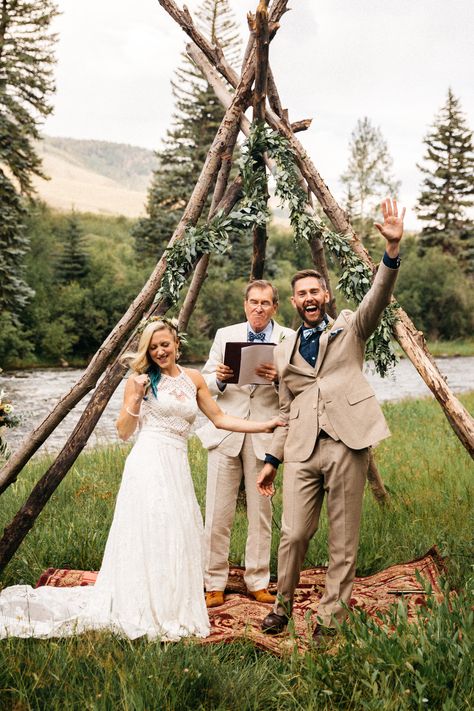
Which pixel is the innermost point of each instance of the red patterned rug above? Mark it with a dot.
(240, 617)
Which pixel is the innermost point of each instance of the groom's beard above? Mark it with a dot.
(312, 319)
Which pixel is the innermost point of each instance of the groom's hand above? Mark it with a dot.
(265, 480)
(392, 227)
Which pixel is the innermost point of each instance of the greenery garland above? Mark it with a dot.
(356, 276)
(213, 236)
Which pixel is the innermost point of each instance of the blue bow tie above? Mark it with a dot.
(310, 332)
(256, 336)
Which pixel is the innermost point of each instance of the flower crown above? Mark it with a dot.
(171, 323)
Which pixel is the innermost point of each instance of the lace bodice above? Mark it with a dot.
(174, 410)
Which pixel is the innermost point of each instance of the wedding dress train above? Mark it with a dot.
(150, 582)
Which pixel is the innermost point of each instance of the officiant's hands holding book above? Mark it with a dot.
(267, 371)
(223, 372)
(264, 370)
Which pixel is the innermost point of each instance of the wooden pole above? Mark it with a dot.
(410, 339)
(200, 273)
(376, 484)
(192, 294)
(262, 41)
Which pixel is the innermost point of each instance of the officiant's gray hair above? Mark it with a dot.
(261, 284)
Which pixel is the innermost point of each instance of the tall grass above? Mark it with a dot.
(447, 349)
(425, 665)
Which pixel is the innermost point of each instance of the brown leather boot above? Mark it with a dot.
(214, 598)
(262, 595)
(274, 623)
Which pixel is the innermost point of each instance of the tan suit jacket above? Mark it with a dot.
(335, 388)
(255, 402)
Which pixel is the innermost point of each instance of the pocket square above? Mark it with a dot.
(336, 332)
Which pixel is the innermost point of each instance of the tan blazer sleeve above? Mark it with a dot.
(367, 316)
(285, 396)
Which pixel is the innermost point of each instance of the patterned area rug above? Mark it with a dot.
(240, 617)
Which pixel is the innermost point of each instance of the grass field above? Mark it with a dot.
(447, 349)
(424, 666)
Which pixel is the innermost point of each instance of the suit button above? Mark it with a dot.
(314, 407)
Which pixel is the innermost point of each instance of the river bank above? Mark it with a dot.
(35, 392)
(459, 348)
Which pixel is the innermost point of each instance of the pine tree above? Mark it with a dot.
(26, 62)
(368, 178)
(197, 116)
(448, 188)
(73, 264)
(14, 293)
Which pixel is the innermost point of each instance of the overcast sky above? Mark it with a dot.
(334, 60)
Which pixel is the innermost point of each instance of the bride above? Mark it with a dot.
(150, 581)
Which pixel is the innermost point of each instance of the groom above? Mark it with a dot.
(333, 418)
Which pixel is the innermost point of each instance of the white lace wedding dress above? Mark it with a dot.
(150, 582)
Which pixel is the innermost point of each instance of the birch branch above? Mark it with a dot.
(262, 42)
(200, 273)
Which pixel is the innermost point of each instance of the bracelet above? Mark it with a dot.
(133, 414)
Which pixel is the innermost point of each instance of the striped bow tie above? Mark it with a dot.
(309, 332)
(256, 336)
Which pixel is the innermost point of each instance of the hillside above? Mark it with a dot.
(95, 176)
(103, 177)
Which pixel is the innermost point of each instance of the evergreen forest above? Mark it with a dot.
(84, 272)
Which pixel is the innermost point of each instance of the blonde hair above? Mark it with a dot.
(139, 361)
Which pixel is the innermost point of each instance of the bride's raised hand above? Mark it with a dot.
(141, 384)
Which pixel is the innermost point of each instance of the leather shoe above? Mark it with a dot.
(214, 598)
(262, 595)
(322, 635)
(274, 623)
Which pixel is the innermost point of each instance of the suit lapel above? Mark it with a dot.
(290, 345)
(301, 367)
(323, 344)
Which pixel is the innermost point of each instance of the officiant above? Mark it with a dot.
(233, 456)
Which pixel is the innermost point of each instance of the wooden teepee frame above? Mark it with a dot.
(106, 362)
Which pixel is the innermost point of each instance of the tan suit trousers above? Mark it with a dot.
(339, 472)
(224, 475)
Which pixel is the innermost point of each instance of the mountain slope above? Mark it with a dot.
(95, 176)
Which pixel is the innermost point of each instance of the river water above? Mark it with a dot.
(35, 392)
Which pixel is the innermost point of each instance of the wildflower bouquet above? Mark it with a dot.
(7, 419)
